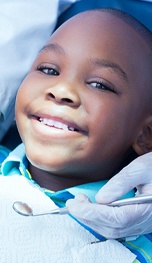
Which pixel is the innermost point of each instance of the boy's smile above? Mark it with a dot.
(78, 109)
(55, 124)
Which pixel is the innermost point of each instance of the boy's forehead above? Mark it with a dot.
(90, 21)
(95, 24)
(99, 31)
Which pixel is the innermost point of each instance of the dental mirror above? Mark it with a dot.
(25, 210)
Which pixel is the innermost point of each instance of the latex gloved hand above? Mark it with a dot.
(118, 222)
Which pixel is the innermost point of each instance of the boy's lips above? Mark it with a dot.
(60, 123)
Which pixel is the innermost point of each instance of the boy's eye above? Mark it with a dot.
(102, 86)
(48, 71)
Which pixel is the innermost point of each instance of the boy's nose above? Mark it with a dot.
(63, 95)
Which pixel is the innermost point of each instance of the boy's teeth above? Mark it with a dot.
(71, 128)
(56, 124)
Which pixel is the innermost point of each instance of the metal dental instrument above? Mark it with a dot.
(24, 209)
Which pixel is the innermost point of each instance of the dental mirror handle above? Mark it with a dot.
(60, 211)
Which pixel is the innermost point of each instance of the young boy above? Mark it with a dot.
(82, 111)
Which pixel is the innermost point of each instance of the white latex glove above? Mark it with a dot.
(118, 222)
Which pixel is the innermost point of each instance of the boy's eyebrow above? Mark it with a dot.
(113, 66)
(99, 62)
(53, 47)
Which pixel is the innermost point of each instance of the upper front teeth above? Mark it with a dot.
(56, 124)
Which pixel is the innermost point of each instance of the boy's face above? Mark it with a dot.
(80, 107)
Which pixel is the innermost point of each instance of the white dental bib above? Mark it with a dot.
(51, 238)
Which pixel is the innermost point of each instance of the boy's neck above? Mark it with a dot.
(51, 181)
(56, 182)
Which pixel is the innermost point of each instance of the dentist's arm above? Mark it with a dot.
(117, 222)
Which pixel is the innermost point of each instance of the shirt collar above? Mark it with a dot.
(17, 159)
(14, 159)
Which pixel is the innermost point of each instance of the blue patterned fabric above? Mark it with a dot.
(4, 152)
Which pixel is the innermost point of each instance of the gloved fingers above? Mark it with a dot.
(84, 210)
(145, 189)
(138, 172)
(113, 189)
(93, 216)
(113, 222)
(99, 214)
(82, 198)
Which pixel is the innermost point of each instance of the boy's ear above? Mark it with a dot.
(143, 142)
